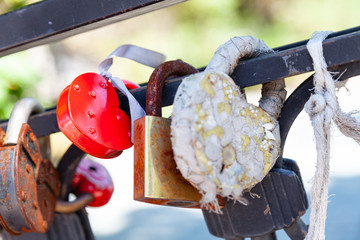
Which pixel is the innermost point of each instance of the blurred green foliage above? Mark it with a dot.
(17, 80)
(10, 5)
(17, 76)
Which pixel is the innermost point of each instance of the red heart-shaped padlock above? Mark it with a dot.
(130, 85)
(88, 114)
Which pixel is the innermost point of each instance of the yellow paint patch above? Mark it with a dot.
(256, 114)
(265, 119)
(261, 130)
(202, 115)
(249, 121)
(206, 85)
(257, 140)
(218, 131)
(217, 182)
(224, 107)
(245, 142)
(200, 155)
(268, 160)
(209, 169)
(245, 178)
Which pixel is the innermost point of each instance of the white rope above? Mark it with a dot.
(323, 108)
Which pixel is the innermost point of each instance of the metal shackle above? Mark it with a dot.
(20, 114)
(157, 82)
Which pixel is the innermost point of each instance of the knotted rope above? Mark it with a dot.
(323, 108)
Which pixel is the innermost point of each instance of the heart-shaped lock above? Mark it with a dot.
(223, 144)
(88, 114)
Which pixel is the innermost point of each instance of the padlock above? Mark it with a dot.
(92, 184)
(88, 114)
(30, 184)
(277, 202)
(156, 178)
(223, 144)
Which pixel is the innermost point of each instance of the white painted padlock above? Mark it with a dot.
(223, 144)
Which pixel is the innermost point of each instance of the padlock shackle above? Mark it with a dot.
(74, 206)
(157, 81)
(20, 114)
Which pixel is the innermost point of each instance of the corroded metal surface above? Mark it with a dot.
(2, 136)
(64, 227)
(29, 186)
(157, 81)
(156, 178)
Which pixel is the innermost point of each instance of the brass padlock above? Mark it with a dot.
(156, 178)
(29, 183)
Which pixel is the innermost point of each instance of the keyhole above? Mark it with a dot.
(92, 169)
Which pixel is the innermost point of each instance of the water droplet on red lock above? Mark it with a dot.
(91, 114)
(76, 88)
(92, 94)
(104, 85)
(119, 117)
(92, 130)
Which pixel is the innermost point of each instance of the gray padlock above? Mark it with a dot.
(277, 202)
(29, 183)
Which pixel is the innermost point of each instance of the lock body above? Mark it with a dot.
(156, 178)
(88, 114)
(29, 186)
(277, 202)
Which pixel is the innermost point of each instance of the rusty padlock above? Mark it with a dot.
(156, 178)
(29, 183)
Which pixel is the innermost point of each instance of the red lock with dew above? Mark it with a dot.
(88, 114)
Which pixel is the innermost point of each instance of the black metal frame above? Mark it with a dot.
(52, 20)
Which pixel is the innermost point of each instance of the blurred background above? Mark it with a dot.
(191, 31)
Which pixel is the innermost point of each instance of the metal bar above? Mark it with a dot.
(338, 50)
(342, 51)
(300, 43)
(52, 20)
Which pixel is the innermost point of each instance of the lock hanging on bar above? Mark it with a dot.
(156, 177)
(30, 184)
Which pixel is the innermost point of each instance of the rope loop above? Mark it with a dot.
(315, 104)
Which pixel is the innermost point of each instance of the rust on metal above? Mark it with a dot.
(30, 183)
(2, 137)
(139, 156)
(156, 177)
(267, 210)
(157, 81)
(157, 180)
